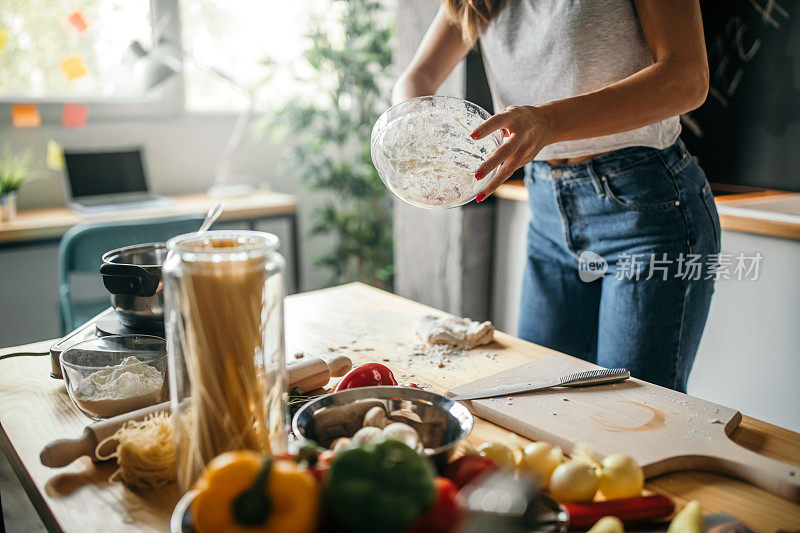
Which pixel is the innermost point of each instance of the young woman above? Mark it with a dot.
(590, 94)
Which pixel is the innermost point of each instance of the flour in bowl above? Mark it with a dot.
(119, 389)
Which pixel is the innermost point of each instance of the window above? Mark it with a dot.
(76, 49)
(93, 37)
(235, 37)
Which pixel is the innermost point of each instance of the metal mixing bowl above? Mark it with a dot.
(441, 422)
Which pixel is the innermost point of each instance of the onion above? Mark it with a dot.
(574, 481)
(620, 477)
(499, 453)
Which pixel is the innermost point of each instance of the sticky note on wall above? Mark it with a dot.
(25, 116)
(3, 39)
(77, 21)
(55, 155)
(73, 67)
(74, 115)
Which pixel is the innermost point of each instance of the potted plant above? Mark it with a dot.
(348, 63)
(15, 170)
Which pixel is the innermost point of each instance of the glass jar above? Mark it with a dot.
(223, 296)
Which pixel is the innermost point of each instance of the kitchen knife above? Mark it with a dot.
(581, 379)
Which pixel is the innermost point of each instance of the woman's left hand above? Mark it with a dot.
(528, 129)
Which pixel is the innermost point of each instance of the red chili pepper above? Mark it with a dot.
(629, 510)
(368, 375)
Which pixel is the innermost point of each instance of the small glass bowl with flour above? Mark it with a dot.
(113, 375)
(423, 153)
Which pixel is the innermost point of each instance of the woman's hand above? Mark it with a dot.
(528, 129)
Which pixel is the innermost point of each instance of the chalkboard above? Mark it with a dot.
(748, 130)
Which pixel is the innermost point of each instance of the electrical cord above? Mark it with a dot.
(23, 354)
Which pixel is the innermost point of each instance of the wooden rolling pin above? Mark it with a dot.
(308, 374)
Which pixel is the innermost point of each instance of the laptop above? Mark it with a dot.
(100, 182)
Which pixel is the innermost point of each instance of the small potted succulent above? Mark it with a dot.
(15, 170)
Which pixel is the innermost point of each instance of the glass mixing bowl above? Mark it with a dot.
(103, 380)
(423, 153)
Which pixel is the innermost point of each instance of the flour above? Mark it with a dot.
(436, 354)
(119, 389)
(462, 333)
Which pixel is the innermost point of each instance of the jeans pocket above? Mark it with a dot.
(711, 209)
(647, 186)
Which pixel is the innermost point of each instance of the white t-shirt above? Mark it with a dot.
(538, 51)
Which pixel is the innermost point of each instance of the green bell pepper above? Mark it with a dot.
(379, 487)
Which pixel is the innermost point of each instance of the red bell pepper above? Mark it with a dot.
(367, 375)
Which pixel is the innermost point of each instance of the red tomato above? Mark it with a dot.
(367, 375)
(445, 515)
(465, 469)
(323, 464)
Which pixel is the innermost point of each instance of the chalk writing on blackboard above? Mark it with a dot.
(729, 51)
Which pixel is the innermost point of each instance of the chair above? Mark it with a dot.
(83, 246)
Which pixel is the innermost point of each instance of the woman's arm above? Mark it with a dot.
(440, 51)
(676, 82)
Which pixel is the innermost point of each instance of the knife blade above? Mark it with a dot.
(580, 379)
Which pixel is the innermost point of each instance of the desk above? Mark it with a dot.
(47, 225)
(373, 325)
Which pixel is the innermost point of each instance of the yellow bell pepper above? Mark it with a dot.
(247, 492)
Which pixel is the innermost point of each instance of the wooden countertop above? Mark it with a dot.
(770, 213)
(52, 222)
(356, 320)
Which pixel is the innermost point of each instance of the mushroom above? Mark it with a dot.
(402, 432)
(367, 435)
(376, 417)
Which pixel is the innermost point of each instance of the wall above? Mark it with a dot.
(751, 343)
(442, 257)
(181, 156)
(749, 357)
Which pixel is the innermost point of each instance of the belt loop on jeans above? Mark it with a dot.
(597, 182)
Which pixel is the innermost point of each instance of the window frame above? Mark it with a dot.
(168, 103)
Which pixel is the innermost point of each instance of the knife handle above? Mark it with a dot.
(595, 377)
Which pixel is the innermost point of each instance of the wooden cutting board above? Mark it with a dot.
(662, 429)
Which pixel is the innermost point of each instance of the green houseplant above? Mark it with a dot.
(15, 170)
(330, 147)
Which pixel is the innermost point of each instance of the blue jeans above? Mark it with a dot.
(650, 216)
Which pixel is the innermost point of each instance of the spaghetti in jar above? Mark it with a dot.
(224, 323)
